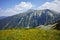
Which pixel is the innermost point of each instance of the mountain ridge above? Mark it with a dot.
(30, 19)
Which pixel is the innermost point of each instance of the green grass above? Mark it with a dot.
(29, 34)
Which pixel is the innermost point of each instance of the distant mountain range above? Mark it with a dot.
(30, 19)
(2, 17)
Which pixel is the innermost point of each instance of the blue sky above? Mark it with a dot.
(11, 3)
(13, 7)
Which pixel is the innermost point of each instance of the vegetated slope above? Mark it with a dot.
(29, 34)
(57, 26)
(30, 19)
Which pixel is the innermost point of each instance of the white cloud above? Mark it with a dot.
(54, 5)
(23, 6)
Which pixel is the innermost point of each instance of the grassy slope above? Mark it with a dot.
(29, 34)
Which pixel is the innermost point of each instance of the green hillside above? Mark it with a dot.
(29, 34)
